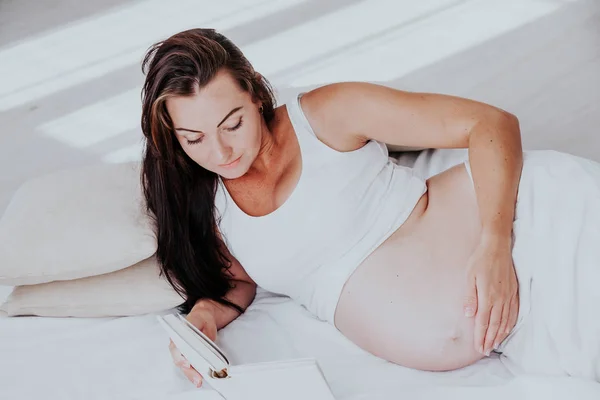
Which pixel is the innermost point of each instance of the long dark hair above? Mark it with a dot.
(180, 194)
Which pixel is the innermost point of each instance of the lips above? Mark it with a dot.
(231, 163)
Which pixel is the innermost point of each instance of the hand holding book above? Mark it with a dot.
(204, 320)
(290, 379)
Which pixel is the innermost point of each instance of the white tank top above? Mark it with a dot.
(343, 207)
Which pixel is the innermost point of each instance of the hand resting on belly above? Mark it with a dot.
(404, 303)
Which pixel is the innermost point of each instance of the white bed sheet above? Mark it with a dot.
(127, 358)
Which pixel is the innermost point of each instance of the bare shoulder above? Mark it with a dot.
(330, 110)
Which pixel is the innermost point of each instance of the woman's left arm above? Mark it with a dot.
(365, 111)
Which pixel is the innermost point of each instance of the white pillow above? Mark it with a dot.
(75, 223)
(131, 291)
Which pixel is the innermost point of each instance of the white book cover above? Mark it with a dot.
(297, 379)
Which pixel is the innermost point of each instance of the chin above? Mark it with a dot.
(233, 173)
(239, 170)
(230, 175)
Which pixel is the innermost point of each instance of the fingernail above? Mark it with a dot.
(186, 364)
(197, 381)
(469, 312)
(481, 349)
(496, 345)
(487, 353)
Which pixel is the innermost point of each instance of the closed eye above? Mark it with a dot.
(199, 140)
(235, 128)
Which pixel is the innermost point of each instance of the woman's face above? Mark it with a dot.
(219, 127)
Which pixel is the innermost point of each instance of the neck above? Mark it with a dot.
(267, 159)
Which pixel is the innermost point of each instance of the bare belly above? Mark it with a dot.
(404, 303)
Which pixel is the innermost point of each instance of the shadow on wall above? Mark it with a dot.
(545, 72)
(18, 21)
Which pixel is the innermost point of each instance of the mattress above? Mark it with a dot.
(128, 358)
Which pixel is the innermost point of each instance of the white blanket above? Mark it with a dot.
(557, 258)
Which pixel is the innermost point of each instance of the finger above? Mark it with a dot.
(185, 366)
(493, 327)
(178, 358)
(502, 329)
(193, 376)
(211, 332)
(470, 302)
(482, 321)
(514, 314)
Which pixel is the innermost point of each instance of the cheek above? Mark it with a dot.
(197, 155)
(251, 137)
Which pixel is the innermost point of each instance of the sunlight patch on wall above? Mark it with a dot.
(98, 122)
(423, 43)
(126, 154)
(321, 37)
(88, 49)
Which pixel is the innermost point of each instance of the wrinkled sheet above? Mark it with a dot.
(128, 358)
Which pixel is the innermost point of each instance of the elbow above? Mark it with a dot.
(499, 124)
(514, 127)
(511, 120)
(496, 119)
(506, 119)
(510, 125)
(507, 123)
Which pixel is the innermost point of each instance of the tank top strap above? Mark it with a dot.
(297, 115)
(310, 144)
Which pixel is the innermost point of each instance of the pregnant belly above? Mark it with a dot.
(404, 303)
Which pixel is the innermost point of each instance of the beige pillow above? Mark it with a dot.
(131, 291)
(73, 224)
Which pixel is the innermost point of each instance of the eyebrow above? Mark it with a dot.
(223, 120)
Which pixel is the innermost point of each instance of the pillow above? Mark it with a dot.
(134, 290)
(73, 224)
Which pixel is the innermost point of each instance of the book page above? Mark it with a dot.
(289, 381)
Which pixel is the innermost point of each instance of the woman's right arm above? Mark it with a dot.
(242, 293)
(209, 316)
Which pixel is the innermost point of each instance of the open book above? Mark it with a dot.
(297, 379)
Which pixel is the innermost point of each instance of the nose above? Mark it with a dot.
(221, 151)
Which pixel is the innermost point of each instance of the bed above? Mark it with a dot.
(128, 358)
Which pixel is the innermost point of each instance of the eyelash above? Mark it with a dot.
(235, 128)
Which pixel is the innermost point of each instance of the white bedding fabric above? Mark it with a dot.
(128, 358)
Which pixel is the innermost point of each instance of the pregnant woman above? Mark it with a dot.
(499, 253)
